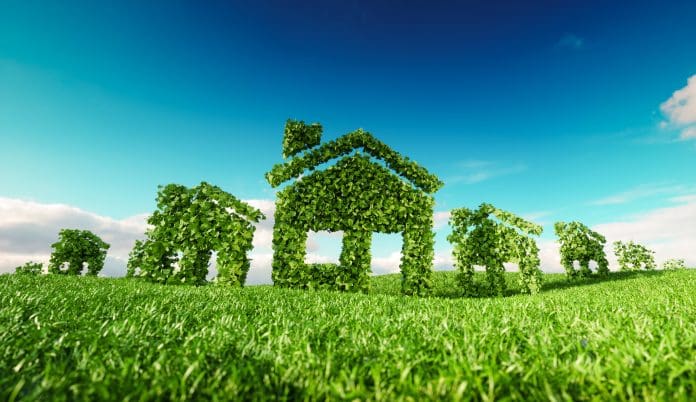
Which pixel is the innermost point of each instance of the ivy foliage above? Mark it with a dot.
(357, 196)
(30, 268)
(345, 145)
(580, 243)
(673, 264)
(478, 239)
(633, 256)
(77, 248)
(300, 136)
(188, 225)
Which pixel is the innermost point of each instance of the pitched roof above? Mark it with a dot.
(346, 144)
(226, 200)
(465, 217)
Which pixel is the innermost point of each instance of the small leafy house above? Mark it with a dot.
(370, 188)
(187, 227)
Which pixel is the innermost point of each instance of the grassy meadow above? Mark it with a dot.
(629, 337)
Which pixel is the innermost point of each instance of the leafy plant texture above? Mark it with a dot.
(580, 243)
(77, 248)
(300, 136)
(345, 145)
(30, 268)
(188, 225)
(480, 240)
(357, 196)
(633, 256)
(674, 263)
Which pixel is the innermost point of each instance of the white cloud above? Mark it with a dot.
(314, 240)
(28, 228)
(549, 255)
(441, 218)
(537, 217)
(680, 110)
(443, 261)
(314, 258)
(639, 192)
(386, 265)
(262, 255)
(263, 236)
(662, 229)
(669, 231)
(260, 270)
(475, 164)
(688, 133)
(476, 171)
(684, 199)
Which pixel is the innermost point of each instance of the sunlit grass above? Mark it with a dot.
(630, 337)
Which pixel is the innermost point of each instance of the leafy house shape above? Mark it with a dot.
(371, 188)
(490, 237)
(582, 244)
(188, 225)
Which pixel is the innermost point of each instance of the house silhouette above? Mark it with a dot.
(188, 226)
(370, 188)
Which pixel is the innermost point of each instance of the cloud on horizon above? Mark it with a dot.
(640, 192)
(28, 228)
(662, 230)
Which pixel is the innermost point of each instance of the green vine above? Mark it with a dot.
(359, 197)
(189, 224)
(478, 239)
(580, 243)
(633, 256)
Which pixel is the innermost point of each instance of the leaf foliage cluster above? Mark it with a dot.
(345, 145)
(77, 248)
(674, 263)
(356, 196)
(478, 239)
(187, 227)
(30, 268)
(580, 243)
(633, 256)
(299, 136)
(359, 197)
(628, 339)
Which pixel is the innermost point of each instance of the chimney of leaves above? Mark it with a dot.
(300, 136)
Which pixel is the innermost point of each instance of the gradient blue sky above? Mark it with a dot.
(542, 108)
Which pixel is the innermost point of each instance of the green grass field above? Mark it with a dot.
(79, 338)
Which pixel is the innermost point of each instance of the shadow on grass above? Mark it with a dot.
(446, 286)
(561, 281)
(594, 279)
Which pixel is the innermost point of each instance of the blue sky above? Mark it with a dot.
(548, 109)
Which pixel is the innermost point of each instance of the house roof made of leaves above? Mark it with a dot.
(172, 194)
(359, 139)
